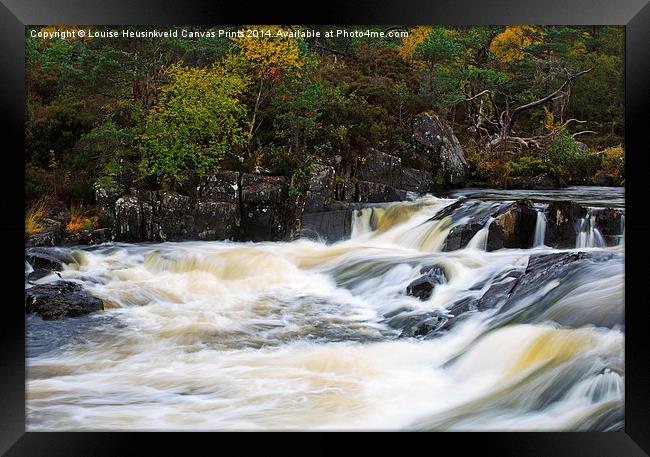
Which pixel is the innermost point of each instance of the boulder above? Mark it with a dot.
(48, 259)
(221, 187)
(370, 192)
(381, 168)
(37, 274)
(60, 299)
(333, 225)
(513, 227)
(609, 222)
(420, 181)
(563, 224)
(435, 142)
(422, 287)
(321, 190)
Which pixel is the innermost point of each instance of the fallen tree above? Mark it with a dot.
(498, 124)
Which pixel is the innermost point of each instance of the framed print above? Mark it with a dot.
(395, 217)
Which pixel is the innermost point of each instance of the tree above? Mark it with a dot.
(196, 121)
(268, 57)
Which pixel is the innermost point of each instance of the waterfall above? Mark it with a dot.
(479, 241)
(588, 235)
(540, 229)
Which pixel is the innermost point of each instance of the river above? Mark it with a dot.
(297, 335)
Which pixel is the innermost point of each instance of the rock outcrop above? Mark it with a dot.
(381, 168)
(435, 142)
(259, 207)
(268, 211)
(322, 187)
(514, 227)
(563, 223)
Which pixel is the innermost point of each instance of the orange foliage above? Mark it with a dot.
(508, 46)
(416, 36)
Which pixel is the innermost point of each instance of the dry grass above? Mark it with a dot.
(79, 220)
(34, 217)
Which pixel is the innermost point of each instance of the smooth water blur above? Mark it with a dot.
(221, 335)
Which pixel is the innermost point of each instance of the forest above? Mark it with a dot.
(163, 113)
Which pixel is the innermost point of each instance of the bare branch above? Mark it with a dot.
(581, 133)
(573, 120)
(527, 106)
(486, 91)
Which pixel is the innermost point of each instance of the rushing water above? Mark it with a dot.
(221, 335)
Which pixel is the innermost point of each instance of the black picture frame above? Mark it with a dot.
(634, 14)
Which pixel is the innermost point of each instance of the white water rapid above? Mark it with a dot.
(296, 335)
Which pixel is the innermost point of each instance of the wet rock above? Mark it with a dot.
(37, 274)
(268, 213)
(563, 223)
(395, 312)
(434, 141)
(547, 272)
(221, 187)
(422, 287)
(60, 299)
(212, 220)
(461, 235)
(420, 181)
(330, 225)
(370, 192)
(381, 168)
(90, 237)
(419, 326)
(436, 323)
(48, 259)
(321, 188)
(513, 227)
(609, 222)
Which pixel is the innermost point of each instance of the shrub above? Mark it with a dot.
(576, 165)
(528, 166)
(79, 220)
(613, 163)
(34, 217)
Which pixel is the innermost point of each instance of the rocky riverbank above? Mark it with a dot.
(239, 206)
